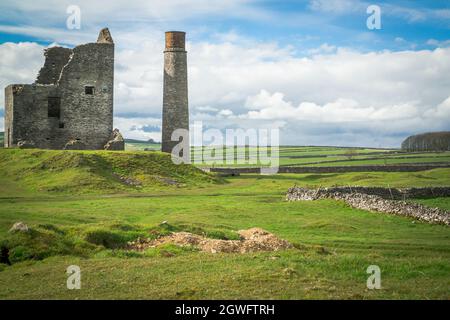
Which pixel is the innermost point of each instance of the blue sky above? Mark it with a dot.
(301, 23)
(297, 64)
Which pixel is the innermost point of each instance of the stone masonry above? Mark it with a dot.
(175, 98)
(70, 105)
(370, 199)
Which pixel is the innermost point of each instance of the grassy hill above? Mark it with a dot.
(31, 170)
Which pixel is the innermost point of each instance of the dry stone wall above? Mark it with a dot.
(342, 169)
(373, 202)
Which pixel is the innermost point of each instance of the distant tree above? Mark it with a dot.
(350, 154)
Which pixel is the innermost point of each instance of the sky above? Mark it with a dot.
(311, 68)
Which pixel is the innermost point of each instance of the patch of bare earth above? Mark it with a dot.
(252, 240)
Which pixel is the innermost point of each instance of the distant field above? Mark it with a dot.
(325, 156)
(138, 145)
(303, 155)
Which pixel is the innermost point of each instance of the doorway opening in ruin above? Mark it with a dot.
(54, 107)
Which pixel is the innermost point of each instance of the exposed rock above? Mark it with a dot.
(386, 193)
(19, 227)
(253, 240)
(17, 89)
(167, 181)
(105, 36)
(116, 141)
(373, 203)
(128, 181)
(74, 145)
(26, 144)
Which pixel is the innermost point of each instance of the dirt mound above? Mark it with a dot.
(252, 240)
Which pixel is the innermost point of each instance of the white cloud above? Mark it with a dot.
(19, 63)
(437, 43)
(206, 109)
(343, 92)
(323, 49)
(409, 13)
(135, 128)
(336, 6)
(274, 106)
(442, 111)
(225, 113)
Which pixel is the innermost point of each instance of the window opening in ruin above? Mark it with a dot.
(61, 125)
(54, 107)
(8, 137)
(89, 90)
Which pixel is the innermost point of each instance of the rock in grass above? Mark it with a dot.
(19, 227)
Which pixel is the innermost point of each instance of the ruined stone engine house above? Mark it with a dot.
(70, 105)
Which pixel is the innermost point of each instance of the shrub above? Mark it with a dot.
(108, 239)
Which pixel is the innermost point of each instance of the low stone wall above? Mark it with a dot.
(388, 193)
(372, 202)
(341, 169)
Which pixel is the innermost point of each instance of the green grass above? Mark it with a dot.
(334, 244)
(443, 203)
(32, 171)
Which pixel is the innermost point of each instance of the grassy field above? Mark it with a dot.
(138, 145)
(310, 156)
(326, 156)
(307, 155)
(80, 212)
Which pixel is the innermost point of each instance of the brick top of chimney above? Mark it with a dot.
(175, 39)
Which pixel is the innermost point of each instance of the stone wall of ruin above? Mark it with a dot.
(83, 117)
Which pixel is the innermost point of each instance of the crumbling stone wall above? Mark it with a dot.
(385, 193)
(71, 102)
(374, 202)
(55, 59)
